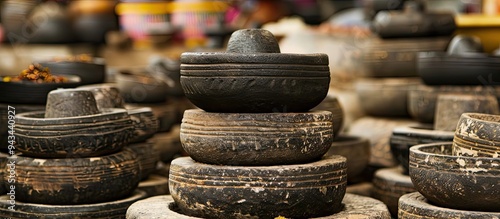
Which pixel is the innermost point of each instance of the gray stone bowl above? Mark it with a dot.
(456, 182)
(252, 76)
(255, 139)
(80, 136)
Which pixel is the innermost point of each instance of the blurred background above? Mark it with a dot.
(363, 38)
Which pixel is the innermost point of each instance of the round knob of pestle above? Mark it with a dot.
(252, 41)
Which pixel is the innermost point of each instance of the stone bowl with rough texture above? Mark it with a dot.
(456, 182)
(252, 76)
(70, 103)
(477, 135)
(106, 95)
(300, 191)
(80, 136)
(415, 205)
(256, 138)
(404, 137)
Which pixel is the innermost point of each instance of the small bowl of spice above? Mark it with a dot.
(33, 84)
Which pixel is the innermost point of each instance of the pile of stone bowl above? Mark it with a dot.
(458, 179)
(145, 127)
(72, 161)
(256, 149)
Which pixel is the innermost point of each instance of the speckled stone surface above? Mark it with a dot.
(477, 135)
(404, 137)
(70, 103)
(85, 136)
(332, 104)
(256, 138)
(415, 205)
(76, 180)
(214, 191)
(457, 182)
(115, 209)
(106, 95)
(164, 207)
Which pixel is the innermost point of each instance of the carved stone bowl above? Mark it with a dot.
(253, 76)
(456, 182)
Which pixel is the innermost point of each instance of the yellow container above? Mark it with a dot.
(486, 27)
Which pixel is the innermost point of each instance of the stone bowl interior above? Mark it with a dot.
(404, 137)
(456, 182)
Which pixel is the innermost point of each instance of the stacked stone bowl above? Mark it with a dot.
(459, 177)
(73, 154)
(72, 126)
(145, 126)
(256, 151)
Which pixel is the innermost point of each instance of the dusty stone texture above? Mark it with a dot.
(115, 209)
(37, 119)
(389, 184)
(147, 157)
(378, 131)
(385, 97)
(164, 207)
(145, 122)
(355, 149)
(252, 41)
(252, 76)
(214, 191)
(154, 185)
(477, 135)
(106, 95)
(75, 180)
(356, 206)
(70, 103)
(457, 182)
(158, 207)
(85, 136)
(449, 108)
(332, 104)
(256, 138)
(415, 205)
(404, 137)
